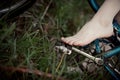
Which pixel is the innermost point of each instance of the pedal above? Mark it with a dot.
(62, 47)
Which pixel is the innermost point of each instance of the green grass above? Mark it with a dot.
(29, 42)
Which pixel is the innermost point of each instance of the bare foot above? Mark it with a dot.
(88, 33)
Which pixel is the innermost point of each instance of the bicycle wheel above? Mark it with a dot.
(12, 8)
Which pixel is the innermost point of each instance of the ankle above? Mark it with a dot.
(102, 23)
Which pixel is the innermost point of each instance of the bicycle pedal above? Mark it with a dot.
(62, 47)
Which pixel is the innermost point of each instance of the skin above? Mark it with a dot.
(100, 26)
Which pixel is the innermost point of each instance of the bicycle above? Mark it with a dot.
(110, 59)
(13, 8)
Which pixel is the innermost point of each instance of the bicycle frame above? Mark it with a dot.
(112, 52)
(100, 61)
(109, 54)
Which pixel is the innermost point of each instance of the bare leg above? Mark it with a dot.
(98, 27)
(117, 17)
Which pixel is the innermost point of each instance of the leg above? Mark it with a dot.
(98, 27)
(117, 17)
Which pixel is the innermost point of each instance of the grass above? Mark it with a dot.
(28, 41)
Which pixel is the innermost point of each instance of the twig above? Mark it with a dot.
(26, 70)
(46, 10)
(60, 62)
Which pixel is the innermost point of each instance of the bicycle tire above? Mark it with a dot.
(16, 9)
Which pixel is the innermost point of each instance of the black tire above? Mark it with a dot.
(14, 8)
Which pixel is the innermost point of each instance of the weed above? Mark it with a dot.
(29, 41)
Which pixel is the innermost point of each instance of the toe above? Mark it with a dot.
(79, 42)
(66, 40)
(72, 40)
(69, 40)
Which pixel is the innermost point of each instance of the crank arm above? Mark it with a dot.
(99, 61)
(68, 50)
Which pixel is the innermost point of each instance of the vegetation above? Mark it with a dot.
(27, 42)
